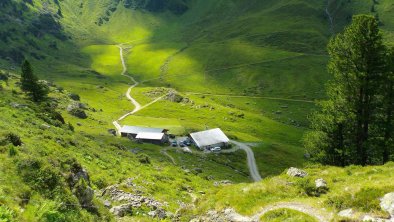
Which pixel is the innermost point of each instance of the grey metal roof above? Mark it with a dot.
(138, 129)
(209, 137)
(150, 136)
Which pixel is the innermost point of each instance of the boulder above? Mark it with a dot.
(107, 204)
(348, 213)
(121, 210)
(294, 172)
(387, 204)
(77, 109)
(321, 183)
(231, 215)
(223, 182)
(85, 195)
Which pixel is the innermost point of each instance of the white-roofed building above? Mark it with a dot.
(210, 138)
(152, 137)
(133, 131)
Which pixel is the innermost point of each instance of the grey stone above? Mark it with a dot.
(320, 183)
(107, 204)
(121, 210)
(346, 213)
(387, 204)
(294, 172)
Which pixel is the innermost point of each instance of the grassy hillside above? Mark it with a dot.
(40, 191)
(252, 68)
(358, 188)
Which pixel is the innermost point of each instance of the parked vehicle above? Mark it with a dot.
(174, 143)
(181, 144)
(216, 149)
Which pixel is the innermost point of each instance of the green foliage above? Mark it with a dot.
(12, 151)
(6, 215)
(346, 128)
(40, 177)
(286, 215)
(37, 90)
(366, 199)
(143, 158)
(14, 139)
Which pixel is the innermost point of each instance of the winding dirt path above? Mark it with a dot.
(253, 169)
(137, 106)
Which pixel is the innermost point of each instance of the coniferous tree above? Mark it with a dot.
(387, 127)
(30, 84)
(342, 129)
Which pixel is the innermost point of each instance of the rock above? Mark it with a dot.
(76, 175)
(223, 182)
(84, 194)
(321, 183)
(159, 213)
(369, 218)
(107, 204)
(45, 126)
(227, 215)
(294, 172)
(387, 204)
(231, 215)
(17, 105)
(346, 213)
(77, 109)
(112, 131)
(121, 210)
(197, 170)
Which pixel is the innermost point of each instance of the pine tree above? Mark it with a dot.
(30, 84)
(388, 108)
(357, 63)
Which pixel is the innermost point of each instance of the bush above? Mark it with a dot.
(308, 187)
(14, 139)
(100, 183)
(75, 97)
(12, 151)
(6, 215)
(43, 179)
(143, 158)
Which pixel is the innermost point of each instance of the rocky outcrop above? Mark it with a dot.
(122, 210)
(387, 204)
(222, 182)
(113, 194)
(77, 109)
(227, 215)
(294, 172)
(79, 182)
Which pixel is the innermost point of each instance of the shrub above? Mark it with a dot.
(6, 215)
(75, 97)
(367, 199)
(12, 151)
(70, 127)
(308, 187)
(143, 158)
(100, 183)
(14, 139)
(43, 179)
